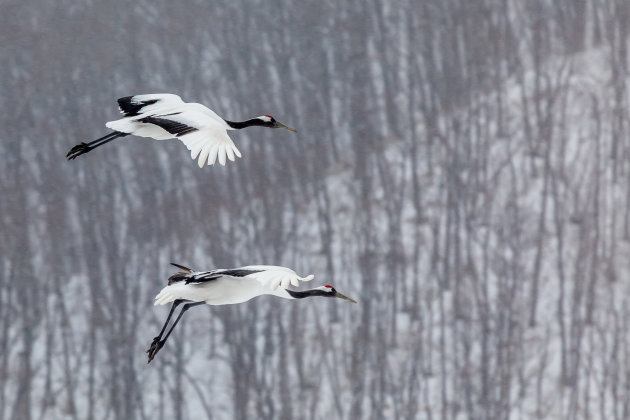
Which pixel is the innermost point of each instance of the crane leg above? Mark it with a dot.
(82, 148)
(156, 339)
(175, 304)
(158, 343)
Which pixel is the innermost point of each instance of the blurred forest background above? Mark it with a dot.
(462, 168)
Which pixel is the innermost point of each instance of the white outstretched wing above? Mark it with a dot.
(209, 144)
(202, 131)
(275, 276)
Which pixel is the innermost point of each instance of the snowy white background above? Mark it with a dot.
(462, 169)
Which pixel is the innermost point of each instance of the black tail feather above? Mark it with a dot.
(183, 275)
(177, 277)
(181, 267)
(83, 148)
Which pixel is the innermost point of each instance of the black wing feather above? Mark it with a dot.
(182, 267)
(131, 108)
(176, 128)
(239, 272)
(204, 277)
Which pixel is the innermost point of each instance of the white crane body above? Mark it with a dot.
(230, 286)
(224, 287)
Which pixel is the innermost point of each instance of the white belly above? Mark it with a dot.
(223, 291)
(226, 291)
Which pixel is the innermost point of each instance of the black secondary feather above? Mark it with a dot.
(190, 277)
(176, 128)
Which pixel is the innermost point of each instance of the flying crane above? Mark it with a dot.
(229, 286)
(164, 116)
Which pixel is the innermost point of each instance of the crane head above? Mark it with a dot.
(269, 121)
(331, 292)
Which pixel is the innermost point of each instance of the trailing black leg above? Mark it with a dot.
(83, 148)
(153, 347)
(158, 343)
(175, 304)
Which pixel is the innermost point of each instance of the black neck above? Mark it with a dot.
(242, 124)
(307, 293)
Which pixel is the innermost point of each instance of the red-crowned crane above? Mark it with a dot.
(229, 286)
(164, 116)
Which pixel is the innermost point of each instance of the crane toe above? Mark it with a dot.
(155, 346)
(78, 150)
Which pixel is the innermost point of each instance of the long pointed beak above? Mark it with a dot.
(340, 296)
(280, 125)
